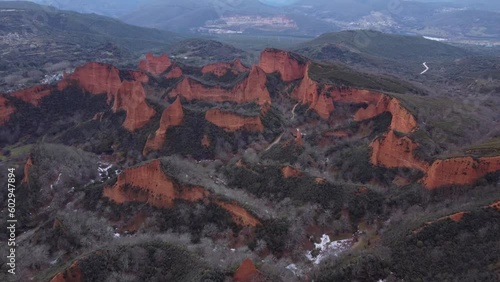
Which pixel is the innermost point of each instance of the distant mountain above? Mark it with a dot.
(39, 40)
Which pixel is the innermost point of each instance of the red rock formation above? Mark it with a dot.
(98, 78)
(5, 110)
(391, 151)
(148, 183)
(221, 69)
(176, 72)
(272, 60)
(309, 93)
(402, 119)
(27, 167)
(139, 76)
(457, 216)
(34, 94)
(205, 141)
(289, 172)
(459, 171)
(298, 138)
(132, 98)
(247, 272)
(232, 122)
(496, 205)
(173, 115)
(155, 65)
(239, 215)
(72, 274)
(252, 89)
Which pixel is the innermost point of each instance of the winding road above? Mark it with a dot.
(426, 68)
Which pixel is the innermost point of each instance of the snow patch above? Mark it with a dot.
(435, 38)
(328, 248)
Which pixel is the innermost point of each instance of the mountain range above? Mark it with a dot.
(140, 154)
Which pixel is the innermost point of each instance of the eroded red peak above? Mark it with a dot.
(155, 65)
(289, 66)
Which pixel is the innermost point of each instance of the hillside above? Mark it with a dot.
(239, 170)
(39, 40)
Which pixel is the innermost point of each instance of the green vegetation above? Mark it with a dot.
(387, 46)
(341, 75)
(449, 250)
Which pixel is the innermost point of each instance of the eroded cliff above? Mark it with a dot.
(149, 184)
(459, 171)
(173, 115)
(6, 110)
(233, 122)
(288, 65)
(155, 65)
(251, 89)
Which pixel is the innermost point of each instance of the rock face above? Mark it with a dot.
(176, 72)
(289, 172)
(34, 94)
(72, 274)
(459, 171)
(391, 151)
(247, 272)
(27, 167)
(232, 122)
(252, 89)
(310, 93)
(5, 110)
(221, 69)
(173, 115)
(155, 65)
(130, 96)
(239, 215)
(289, 67)
(149, 184)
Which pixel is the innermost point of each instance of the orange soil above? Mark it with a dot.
(252, 89)
(154, 187)
(173, 115)
(247, 272)
(289, 172)
(34, 94)
(27, 166)
(205, 142)
(272, 60)
(5, 110)
(239, 214)
(155, 65)
(232, 122)
(176, 72)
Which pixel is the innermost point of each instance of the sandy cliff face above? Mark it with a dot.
(176, 72)
(239, 215)
(310, 93)
(72, 274)
(391, 151)
(232, 122)
(247, 272)
(221, 69)
(272, 60)
(289, 172)
(155, 65)
(149, 184)
(27, 167)
(5, 110)
(130, 96)
(173, 115)
(34, 94)
(252, 89)
(459, 171)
